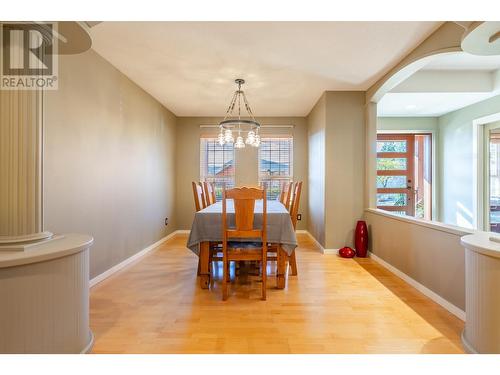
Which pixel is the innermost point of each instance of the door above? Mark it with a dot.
(395, 173)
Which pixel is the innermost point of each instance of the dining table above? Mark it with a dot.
(207, 228)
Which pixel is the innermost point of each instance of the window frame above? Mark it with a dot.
(219, 181)
(265, 179)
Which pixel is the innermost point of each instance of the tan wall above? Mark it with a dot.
(336, 136)
(188, 160)
(109, 161)
(430, 256)
(316, 129)
(344, 167)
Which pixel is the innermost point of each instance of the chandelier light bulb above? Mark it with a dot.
(221, 139)
(239, 142)
(228, 136)
(250, 138)
(256, 142)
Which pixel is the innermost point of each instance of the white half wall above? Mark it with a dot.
(428, 253)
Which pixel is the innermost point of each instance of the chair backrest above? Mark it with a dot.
(244, 204)
(204, 203)
(209, 189)
(283, 192)
(285, 195)
(294, 207)
(199, 199)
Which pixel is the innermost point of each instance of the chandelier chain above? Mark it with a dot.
(233, 122)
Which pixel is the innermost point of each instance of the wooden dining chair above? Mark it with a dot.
(285, 194)
(199, 204)
(244, 203)
(284, 189)
(294, 210)
(199, 196)
(295, 189)
(209, 190)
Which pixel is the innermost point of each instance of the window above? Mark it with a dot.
(217, 164)
(275, 164)
(494, 181)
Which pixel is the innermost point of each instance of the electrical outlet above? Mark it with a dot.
(299, 217)
(166, 221)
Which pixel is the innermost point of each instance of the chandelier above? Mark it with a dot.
(233, 124)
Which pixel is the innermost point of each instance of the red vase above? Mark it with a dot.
(361, 239)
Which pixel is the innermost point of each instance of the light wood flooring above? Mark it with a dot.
(334, 305)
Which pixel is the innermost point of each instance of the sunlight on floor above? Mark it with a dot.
(334, 305)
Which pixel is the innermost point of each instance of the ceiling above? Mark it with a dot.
(433, 104)
(190, 66)
(450, 82)
(464, 61)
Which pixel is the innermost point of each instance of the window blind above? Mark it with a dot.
(217, 164)
(275, 164)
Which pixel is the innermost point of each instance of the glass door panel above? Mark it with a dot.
(395, 160)
(398, 182)
(423, 176)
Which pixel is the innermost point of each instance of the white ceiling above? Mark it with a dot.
(190, 66)
(450, 82)
(426, 104)
(464, 61)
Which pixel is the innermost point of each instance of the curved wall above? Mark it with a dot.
(45, 297)
(428, 255)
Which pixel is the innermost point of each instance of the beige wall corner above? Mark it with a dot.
(344, 167)
(336, 136)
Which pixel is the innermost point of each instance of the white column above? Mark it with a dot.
(21, 149)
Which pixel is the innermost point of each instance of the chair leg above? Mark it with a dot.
(199, 267)
(211, 265)
(293, 263)
(227, 272)
(264, 276)
(224, 279)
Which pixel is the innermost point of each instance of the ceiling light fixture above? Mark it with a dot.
(234, 123)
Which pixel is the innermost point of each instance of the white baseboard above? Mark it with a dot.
(321, 248)
(130, 260)
(330, 251)
(459, 313)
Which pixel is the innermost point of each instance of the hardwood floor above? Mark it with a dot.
(334, 305)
